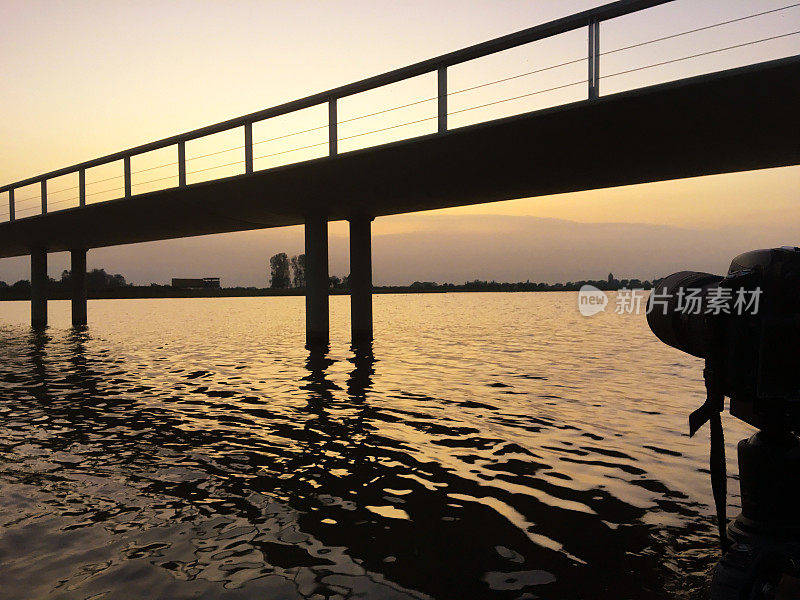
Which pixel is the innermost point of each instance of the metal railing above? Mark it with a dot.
(590, 19)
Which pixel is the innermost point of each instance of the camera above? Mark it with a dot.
(746, 325)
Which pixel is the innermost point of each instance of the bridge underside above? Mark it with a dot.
(736, 120)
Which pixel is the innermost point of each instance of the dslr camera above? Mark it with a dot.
(747, 325)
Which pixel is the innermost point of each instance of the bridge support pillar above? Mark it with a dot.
(361, 279)
(39, 288)
(78, 278)
(317, 283)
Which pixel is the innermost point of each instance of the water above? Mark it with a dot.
(493, 446)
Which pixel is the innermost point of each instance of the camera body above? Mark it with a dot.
(747, 326)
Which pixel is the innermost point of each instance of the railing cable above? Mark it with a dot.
(20, 201)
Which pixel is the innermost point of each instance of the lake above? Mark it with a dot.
(489, 446)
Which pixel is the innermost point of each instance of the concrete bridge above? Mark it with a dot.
(735, 120)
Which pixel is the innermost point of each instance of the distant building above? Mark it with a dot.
(196, 284)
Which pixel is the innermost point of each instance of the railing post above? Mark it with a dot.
(248, 147)
(82, 187)
(333, 135)
(11, 207)
(44, 196)
(127, 164)
(181, 163)
(594, 59)
(442, 99)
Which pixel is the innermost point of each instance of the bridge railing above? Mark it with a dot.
(589, 19)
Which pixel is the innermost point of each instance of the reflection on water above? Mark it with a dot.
(488, 446)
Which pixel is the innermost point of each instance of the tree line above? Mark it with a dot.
(528, 286)
(96, 279)
(290, 273)
(286, 273)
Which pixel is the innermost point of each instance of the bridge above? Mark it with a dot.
(738, 119)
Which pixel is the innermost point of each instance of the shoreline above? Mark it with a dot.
(237, 293)
(144, 293)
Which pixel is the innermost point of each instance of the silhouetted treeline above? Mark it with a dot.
(285, 272)
(289, 274)
(528, 286)
(96, 280)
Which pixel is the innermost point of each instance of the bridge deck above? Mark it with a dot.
(736, 120)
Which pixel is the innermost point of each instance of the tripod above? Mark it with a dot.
(765, 537)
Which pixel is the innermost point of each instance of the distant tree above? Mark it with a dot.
(22, 285)
(299, 271)
(279, 271)
(3, 284)
(610, 278)
(334, 282)
(98, 279)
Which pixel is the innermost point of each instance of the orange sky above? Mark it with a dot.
(90, 78)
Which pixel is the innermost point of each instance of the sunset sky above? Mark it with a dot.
(89, 78)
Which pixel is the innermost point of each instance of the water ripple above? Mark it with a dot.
(141, 460)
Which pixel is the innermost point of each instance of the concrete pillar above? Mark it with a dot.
(39, 288)
(317, 319)
(78, 277)
(361, 278)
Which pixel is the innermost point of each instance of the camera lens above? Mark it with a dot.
(668, 317)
